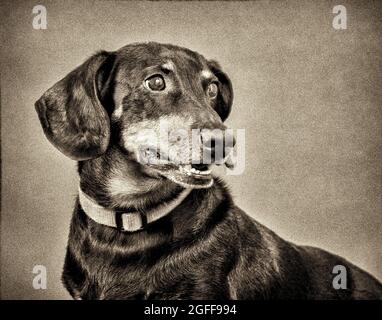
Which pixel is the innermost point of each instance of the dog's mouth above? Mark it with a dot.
(188, 175)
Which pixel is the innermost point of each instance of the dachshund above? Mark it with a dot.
(151, 221)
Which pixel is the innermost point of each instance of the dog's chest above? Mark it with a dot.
(165, 279)
(97, 268)
(139, 283)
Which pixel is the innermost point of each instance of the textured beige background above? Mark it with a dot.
(308, 96)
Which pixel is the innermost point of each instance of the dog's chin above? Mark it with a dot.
(187, 176)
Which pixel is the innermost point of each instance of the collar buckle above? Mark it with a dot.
(130, 221)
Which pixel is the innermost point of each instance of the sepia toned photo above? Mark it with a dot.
(191, 150)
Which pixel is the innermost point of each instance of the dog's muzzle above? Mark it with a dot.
(191, 166)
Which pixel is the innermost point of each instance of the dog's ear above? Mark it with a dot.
(71, 113)
(225, 97)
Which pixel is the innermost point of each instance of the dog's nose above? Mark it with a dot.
(217, 144)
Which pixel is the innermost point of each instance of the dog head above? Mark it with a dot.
(162, 106)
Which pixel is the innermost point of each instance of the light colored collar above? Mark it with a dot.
(127, 221)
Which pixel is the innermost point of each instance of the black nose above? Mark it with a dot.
(217, 144)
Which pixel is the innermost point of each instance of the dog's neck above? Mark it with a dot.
(114, 181)
(128, 221)
(187, 221)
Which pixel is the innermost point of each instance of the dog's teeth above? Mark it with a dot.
(189, 170)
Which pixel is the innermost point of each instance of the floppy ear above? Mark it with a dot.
(71, 113)
(225, 97)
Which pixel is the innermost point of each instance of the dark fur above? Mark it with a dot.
(207, 248)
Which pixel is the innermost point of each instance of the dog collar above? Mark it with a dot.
(127, 221)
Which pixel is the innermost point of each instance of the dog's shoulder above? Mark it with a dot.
(333, 277)
(271, 267)
(267, 267)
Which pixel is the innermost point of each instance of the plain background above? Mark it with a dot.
(308, 96)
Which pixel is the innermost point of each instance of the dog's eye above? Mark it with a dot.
(212, 90)
(155, 83)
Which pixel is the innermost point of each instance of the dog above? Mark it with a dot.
(168, 229)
